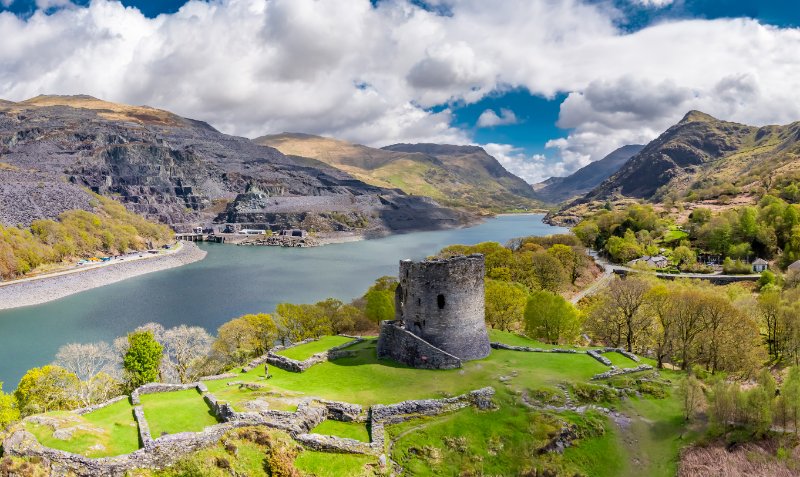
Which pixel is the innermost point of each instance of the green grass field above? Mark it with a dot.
(324, 464)
(109, 431)
(178, 411)
(352, 430)
(620, 360)
(307, 350)
(364, 380)
(503, 441)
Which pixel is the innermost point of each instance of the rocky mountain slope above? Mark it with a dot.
(701, 158)
(182, 172)
(559, 189)
(698, 152)
(461, 176)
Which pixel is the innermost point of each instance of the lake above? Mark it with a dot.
(231, 281)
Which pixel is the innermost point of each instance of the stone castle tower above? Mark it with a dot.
(440, 314)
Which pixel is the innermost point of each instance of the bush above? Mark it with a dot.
(736, 267)
(593, 393)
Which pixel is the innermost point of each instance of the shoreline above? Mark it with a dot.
(46, 288)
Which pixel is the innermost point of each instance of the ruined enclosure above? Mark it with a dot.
(440, 309)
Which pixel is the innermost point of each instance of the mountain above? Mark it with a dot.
(559, 189)
(181, 172)
(459, 176)
(699, 153)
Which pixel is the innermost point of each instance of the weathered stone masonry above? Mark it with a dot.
(440, 314)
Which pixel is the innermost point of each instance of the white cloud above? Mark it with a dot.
(489, 118)
(371, 75)
(653, 3)
(532, 168)
(49, 4)
(6, 3)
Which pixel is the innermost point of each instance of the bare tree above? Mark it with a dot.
(87, 362)
(185, 347)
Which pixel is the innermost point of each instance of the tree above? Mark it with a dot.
(684, 255)
(689, 322)
(237, 341)
(505, 304)
(379, 305)
(9, 411)
(790, 392)
(572, 260)
(546, 273)
(86, 361)
(185, 349)
(659, 304)
(142, 361)
(769, 303)
(302, 321)
(691, 393)
(626, 297)
(49, 388)
(550, 317)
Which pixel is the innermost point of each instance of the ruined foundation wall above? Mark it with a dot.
(399, 345)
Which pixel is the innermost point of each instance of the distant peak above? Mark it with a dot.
(428, 148)
(697, 116)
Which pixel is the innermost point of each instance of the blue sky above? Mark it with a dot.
(544, 104)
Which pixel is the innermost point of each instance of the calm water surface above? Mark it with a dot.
(231, 281)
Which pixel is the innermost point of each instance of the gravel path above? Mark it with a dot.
(49, 288)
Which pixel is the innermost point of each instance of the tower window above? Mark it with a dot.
(440, 301)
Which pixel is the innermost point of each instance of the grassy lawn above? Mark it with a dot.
(674, 235)
(364, 380)
(178, 411)
(277, 400)
(500, 442)
(655, 436)
(324, 464)
(305, 351)
(620, 361)
(106, 432)
(352, 430)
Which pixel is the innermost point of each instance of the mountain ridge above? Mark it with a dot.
(184, 172)
(459, 176)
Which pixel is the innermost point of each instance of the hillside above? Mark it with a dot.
(181, 172)
(559, 189)
(699, 152)
(459, 176)
(704, 161)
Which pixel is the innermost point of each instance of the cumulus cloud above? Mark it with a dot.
(489, 118)
(532, 168)
(372, 74)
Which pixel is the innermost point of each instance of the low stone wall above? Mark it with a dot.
(620, 371)
(342, 445)
(295, 366)
(219, 376)
(342, 411)
(623, 352)
(402, 411)
(95, 407)
(145, 438)
(400, 345)
(153, 388)
(528, 349)
(599, 357)
(263, 359)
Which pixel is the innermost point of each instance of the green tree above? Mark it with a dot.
(142, 361)
(505, 304)
(49, 388)
(790, 392)
(691, 393)
(9, 411)
(379, 305)
(573, 261)
(550, 317)
(546, 272)
(684, 255)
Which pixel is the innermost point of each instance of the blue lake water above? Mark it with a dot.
(230, 281)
